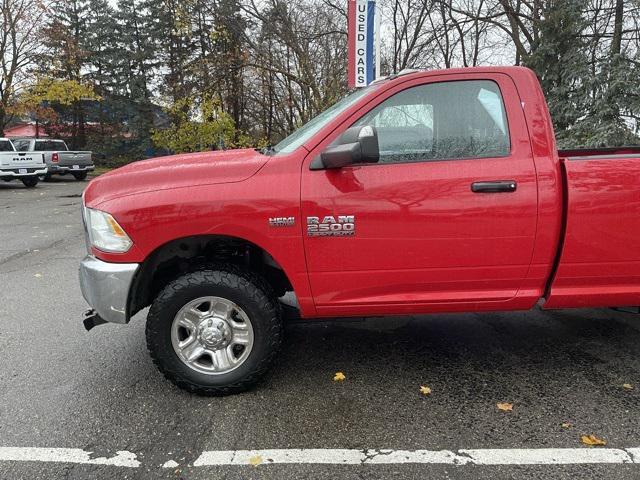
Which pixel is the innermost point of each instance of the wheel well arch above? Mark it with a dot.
(181, 255)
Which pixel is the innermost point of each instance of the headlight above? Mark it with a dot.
(105, 233)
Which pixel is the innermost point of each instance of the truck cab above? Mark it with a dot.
(425, 192)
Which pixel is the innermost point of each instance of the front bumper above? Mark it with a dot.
(105, 286)
(15, 172)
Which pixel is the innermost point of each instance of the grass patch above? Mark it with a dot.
(99, 170)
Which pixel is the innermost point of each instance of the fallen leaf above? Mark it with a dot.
(255, 461)
(505, 407)
(339, 377)
(38, 275)
(425, 390)
(567, 425)
(627, 386)
(592, 440)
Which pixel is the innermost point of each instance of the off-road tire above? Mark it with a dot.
(30, 182)
(251, 293)
(80, 176)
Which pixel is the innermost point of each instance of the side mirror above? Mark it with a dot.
(356, 145)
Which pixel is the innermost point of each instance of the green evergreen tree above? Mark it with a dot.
(67, 54)
(559, 59)
(101, 53)
(170, 28)
(611, 118)
(134, 69)
(99, 43)
(229, 50)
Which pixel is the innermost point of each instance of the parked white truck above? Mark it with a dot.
(25, 166)
(60, 160)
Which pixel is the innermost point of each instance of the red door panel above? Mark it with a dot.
(423, 240)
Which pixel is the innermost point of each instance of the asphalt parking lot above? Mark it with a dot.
(64, 388)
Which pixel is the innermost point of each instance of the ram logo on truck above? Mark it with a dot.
(331, 226)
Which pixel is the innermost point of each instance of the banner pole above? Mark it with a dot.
(378, 39)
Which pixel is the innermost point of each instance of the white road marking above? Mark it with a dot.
(635, 454)
(66, 455)
(507, 456)
(548, 456)
(338, 456)
(312, 455)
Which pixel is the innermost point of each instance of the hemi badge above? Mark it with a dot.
(282, 221)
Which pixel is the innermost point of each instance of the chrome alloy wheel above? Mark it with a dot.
(212, 335)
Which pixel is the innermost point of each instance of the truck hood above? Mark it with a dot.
(175, 171)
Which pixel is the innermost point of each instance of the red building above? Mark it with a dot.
(25, 130)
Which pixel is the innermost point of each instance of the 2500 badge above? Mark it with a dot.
(331, 226)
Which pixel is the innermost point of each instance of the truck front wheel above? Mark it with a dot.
(214, 331)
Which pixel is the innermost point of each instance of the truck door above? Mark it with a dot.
(445, 220)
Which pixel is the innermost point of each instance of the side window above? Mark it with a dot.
(48, 146)
(440, 121)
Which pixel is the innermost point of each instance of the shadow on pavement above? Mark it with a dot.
(554, 367)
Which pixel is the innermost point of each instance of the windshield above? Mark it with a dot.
(304, 133)
(49, 145)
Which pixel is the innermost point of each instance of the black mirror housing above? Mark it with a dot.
(355, 145)
(338, 156)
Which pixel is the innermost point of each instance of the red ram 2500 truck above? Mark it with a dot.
(425, 192)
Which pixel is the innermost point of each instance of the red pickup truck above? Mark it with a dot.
(437, 191)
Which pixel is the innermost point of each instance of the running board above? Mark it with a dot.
(635, 310)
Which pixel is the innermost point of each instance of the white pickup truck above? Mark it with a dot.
(25, 166)
(60, 160)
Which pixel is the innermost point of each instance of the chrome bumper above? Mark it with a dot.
(55, 168)
(15, 172)
(105, 286)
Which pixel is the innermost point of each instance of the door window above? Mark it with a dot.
(440, 121)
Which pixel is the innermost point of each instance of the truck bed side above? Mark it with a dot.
(599, 265)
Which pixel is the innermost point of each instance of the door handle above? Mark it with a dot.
(494, 186)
